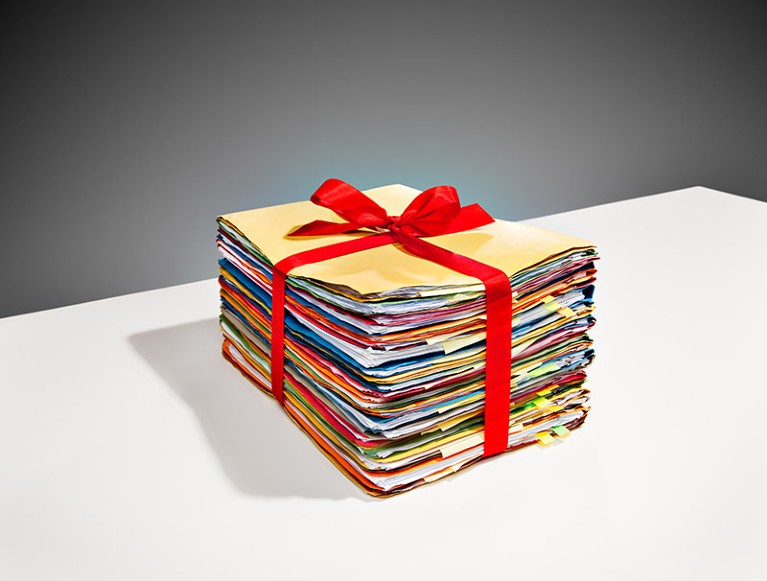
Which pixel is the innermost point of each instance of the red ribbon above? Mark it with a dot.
(433, 212)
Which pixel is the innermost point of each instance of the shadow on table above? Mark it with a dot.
(259, 447)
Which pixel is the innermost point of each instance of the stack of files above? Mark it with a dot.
(384, 351)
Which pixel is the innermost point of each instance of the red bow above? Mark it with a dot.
(433, 212)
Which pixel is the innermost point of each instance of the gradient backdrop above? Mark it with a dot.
(126, 130)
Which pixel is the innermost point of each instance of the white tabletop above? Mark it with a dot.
(129, 449)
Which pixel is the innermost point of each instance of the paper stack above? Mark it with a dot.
(384, 352)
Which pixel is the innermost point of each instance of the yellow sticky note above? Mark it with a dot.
(541, 402)
(547, 390)
(446, 425)
(544, 438)
(543, 369)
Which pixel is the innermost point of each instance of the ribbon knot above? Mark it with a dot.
(395, 225)
(433, 212)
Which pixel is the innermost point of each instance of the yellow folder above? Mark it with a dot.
(509, 246)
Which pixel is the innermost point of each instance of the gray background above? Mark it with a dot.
(126, 130)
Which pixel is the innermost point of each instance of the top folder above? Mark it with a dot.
(510, 246)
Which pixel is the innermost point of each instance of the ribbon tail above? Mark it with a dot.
(324, 228)
(470, 217)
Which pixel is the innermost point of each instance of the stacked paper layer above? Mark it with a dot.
(384, 352)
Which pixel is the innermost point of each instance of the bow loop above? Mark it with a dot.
(431, 212)
(350, 204)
